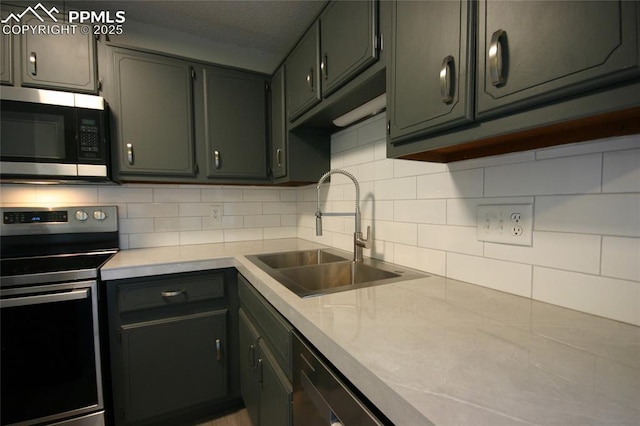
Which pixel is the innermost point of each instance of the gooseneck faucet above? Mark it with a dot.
(358, 241)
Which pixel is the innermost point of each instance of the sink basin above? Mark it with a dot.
(298, 258)
(315, 272)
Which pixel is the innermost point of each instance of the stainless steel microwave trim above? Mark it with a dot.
(52, 97)
(38, 169)
(91, 170)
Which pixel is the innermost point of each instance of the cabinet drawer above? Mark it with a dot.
(270, 324)
(170, 291)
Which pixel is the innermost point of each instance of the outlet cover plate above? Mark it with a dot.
(505, 224)
(216, 213)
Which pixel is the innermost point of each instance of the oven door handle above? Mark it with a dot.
(45, 298)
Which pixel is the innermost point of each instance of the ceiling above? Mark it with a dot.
(271, 26)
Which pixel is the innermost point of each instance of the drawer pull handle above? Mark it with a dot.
(173, 293)
(279, 157)
(496, 62)
(218, 350)
(310, 79)
(324, 67)
(446, 80)
(216, 159)
(252, 356)
(33, 63)
(130, 154)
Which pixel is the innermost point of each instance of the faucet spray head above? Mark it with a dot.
(318, 223)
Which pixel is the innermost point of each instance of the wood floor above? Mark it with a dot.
(238, 418)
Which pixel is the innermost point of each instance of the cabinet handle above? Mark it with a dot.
(446, 82)
(252, 356)
(173, 293)
(33, 63)
(495, 58)
(279, 157)
(310, 79)
(323, 67)
(130, 154)
(259, 372)
(216, 159)
(218, 350)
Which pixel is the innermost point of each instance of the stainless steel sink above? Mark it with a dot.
(299, 258)
(315, 272)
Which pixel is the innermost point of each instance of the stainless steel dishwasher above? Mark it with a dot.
(321, 397)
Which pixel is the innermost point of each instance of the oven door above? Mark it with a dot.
(50, 354)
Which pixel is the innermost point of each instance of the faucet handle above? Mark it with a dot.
(367, 240)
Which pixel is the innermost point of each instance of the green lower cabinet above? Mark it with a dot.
(265, 388)
(173, 364)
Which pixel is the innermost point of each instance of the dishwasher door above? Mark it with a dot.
(320, 398)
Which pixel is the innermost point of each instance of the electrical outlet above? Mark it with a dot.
(505, 223)
(216, 212)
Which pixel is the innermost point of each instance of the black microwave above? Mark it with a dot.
(47, 135)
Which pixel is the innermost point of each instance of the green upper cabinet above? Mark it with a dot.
(303, 78)
(535, 51)
(278, 125)
(430, 79)
(348, 41)
(6, 61)
(153, 113)
(58, 61)
(235, 123)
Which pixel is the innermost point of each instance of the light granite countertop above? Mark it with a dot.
(436, 350)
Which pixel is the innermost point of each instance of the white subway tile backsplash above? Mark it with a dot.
(605, 214)
(601, 145)
(201, 237)
(195, 209)
(621, 258)
(403, 168)
(463, 184)
(621, 171)
(165, 224)
(156, 239)
(373, 129)
(261, 221)
(575, 252)
(500, 275)
(395, 189)
(163, 195)
(279, 208)
(423, 259)
(262, 194)
(135, 226)
(228, 222)
(245, 234)
(279, 232)
(498, 160)
(456, 239)
(396, 232)
(344, 140)
(152, 210)
(124, 194)
(235, 209)
(608, 297)
(463, 211)
(420, 211)
(568, 175)
(221, 194)
(364, 154)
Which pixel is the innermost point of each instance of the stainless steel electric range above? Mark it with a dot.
(49, 275)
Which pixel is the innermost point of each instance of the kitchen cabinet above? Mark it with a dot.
(560, 49)
(265, 363)
(303, 78)
(153, 111)
(58, 61)
(173, 346)
(338, 46)
(235, 123)
(348, 32)
(431, 75)
(296, 157)
(568, 73)
(278, 125)
(6, 50)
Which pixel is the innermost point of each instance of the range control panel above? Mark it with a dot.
(58, 220)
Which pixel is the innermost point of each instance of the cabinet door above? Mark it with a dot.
(174, 363)
(303, 78)
(248, 368)
(235, 124)
(64, 61)
(348, 33)
(560, 48)
(275, 390)
(278, 125)
(154, 115)
(6, 50)
(430, 79)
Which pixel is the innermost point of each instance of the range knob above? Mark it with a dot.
(82, 216)
(99, 215)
